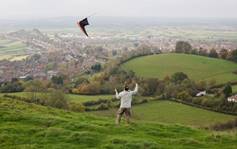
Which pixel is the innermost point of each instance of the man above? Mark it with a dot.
(125, 104)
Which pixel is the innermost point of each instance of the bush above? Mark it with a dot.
(211, 102)
(57, 99)
(224, 126)
(197, 100)
(76, 107)
(184, 95)
(178, 77)
(227, 90)
(11, 87)
(183, 47)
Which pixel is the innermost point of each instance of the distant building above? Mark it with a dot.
(203, 93)
(51, 73)
(232, 98)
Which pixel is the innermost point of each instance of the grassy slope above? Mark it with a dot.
(171, 112)
(234, 88)
(84, 98)
(197, 67)
(71, 97)
(30, 126)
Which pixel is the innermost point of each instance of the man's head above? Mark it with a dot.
(126, 88)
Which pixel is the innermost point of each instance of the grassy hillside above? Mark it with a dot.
(71, 97)
(234, 88)
(196, 67)
(171, 112)
(25, 125)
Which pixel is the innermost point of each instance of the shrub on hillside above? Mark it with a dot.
(56, 99)
(178, 77)
(227, 90)
(183, 47)
(184, 95)
(213, 53)
(211, 102)
(224, 126)
(76, 107)
(9, 87)
(170, 91)
(197, 100)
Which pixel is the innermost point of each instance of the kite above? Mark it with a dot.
(82, 25)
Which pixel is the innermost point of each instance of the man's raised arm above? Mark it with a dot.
(135, 90)
(117, 94)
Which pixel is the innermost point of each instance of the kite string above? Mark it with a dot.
(91, 15)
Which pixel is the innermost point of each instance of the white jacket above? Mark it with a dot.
(126, 97)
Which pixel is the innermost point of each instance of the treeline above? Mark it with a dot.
(177, 86)
(185, 47)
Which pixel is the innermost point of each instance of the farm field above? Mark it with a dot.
(196, 67)
(24, 125)
(12, 50)
(171, 112)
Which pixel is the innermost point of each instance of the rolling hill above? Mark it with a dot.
(196, 67)
(24, 125)
(171, 112)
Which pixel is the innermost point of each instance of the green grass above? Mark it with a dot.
(24, 125)
(196, 67)
(171, 112)
(85, 98)
(234, 89)
(70, 97)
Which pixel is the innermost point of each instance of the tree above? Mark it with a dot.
(150, 86)
(223, 53)
(96, 68)
(213, 53)
(58, 80)
(178, 77)
(184, 95)
(14, 86)
(194, 51)
(183, 47)
(202, 52)
(79, 81)
(34, 87)
(233, 55)
(227, 90)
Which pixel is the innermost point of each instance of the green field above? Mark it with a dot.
(196, 67)
(70, 97)
(24, 125)
(234, 89)
(12, 50)
(171, 112)
(84, 98)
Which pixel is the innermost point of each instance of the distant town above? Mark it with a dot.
(43, 53)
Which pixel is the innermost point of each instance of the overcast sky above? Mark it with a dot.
(10, 9)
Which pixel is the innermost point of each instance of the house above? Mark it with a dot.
(232, 98)
(203, 93)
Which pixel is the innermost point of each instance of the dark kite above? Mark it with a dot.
(82, 25)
